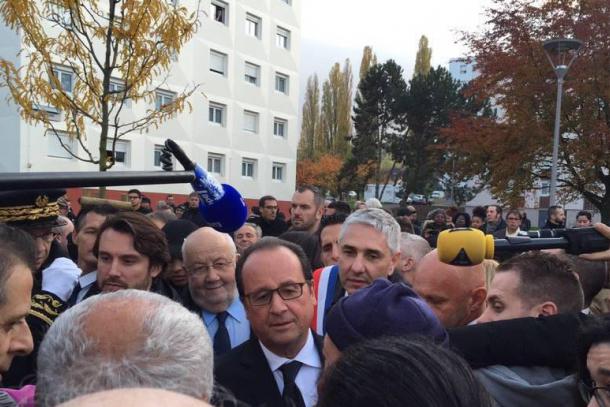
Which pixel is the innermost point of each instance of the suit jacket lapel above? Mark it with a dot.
(263, 382)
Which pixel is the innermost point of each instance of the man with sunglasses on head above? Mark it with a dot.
(281, 364)
(209, 261)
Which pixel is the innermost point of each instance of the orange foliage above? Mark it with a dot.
(322, 172)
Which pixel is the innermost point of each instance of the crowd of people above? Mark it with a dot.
(327, 305)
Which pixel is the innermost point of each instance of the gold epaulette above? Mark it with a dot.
(46, 307)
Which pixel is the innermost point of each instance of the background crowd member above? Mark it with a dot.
(404, 218)
(398, 372)
(135, 200)
(529, 285)
(436, 223)
(494, 219)
(456, 294)
(526, 224)
(161, 217)
(269, 221)
(246, 236)
(63, 232)
(96, 346)
(209, 260)
(556, 218)
(176, 231)
(307, 209)
(583, 219)
(381, 309)
(373, 203)
(281, 364)
(87, 227)
(412, 249)
(513, 223)
(461, 220)
(335, 207)
(477, 219)
(191, 211)
(330, 227)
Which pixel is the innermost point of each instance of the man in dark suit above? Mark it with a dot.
(280, 367)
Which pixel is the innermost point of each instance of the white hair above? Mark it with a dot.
(175, 353)
(378, 219)
(373, 203)
(257, 229)
(413, 246)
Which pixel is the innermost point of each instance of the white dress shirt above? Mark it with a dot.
(307, 377)
(86, 281)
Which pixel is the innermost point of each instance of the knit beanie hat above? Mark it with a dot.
(382, 309)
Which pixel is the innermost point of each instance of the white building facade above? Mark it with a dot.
(243, 123)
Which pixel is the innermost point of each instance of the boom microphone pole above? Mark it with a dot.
(467, 247)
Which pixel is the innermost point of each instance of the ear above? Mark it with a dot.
(395, 261)
(547, 308)
(320, 212)
(312, 293)
(409, 265)
(155, 270)
(478, 297)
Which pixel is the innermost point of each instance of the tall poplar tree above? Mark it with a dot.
(423, 57)
(336, 111)
(310, 123)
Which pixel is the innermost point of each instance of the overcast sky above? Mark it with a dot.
(332, 30)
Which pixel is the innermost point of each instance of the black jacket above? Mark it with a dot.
(275, 228)
(245, 373)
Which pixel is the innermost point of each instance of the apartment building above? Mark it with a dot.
(243, 123)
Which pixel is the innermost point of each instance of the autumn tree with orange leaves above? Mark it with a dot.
(322, 172)
(513, 152)
(84, 63)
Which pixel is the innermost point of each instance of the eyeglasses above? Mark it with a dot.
(511, 218)
(286, 292)
(130, 197)
(601, 393)
(201, 269)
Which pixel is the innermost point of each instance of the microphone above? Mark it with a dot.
(468, 247)
(221, 205)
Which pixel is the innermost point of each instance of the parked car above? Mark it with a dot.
(435, 195)
(418, 199)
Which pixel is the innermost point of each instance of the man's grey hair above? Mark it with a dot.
(257, 229)
(413, 246)
(378, 219)
(175, 352)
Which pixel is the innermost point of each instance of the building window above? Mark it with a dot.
(278, 171)
(157, 155)
(55, 148)
(252, 73)
(545, 187)
(279, 127)
(463, 69)
(65, 78)
(281, 82)
(282, 38)
(121, 152)
(216, 113)
(215, 163)
(117, 89)
(218, 62)
(219, 11)
(250, 121)
(248, 168)
(163, 97)
(253, 25)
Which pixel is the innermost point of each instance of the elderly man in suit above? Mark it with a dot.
(280, 366)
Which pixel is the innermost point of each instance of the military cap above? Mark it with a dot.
(34, 208)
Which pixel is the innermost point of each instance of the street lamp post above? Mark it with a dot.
(561, 52)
